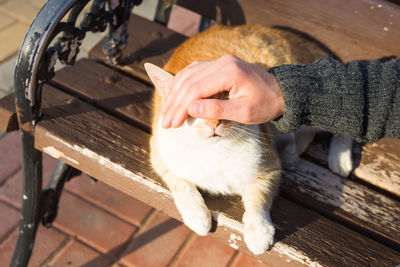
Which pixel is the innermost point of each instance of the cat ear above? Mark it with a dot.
(159, 77)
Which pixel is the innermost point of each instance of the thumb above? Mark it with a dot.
(213, 109)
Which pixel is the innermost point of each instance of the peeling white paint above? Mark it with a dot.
(52, 151)
(118, 169)
(227, 222)
(233, 239)
(282, 249)
(295, 254)
(333, 190)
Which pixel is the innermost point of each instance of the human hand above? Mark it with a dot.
(254, 94)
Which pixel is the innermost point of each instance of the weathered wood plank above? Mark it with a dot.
(117, 153)
(380, 165)
(328, 193)
(324, 191)
(353, 29)
(108, 89)
(147, 42)
(8, 116)
(377, 163)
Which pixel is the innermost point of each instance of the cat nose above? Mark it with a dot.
(213, 124)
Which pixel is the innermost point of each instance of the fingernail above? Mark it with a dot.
(165, 124)
(195, 109)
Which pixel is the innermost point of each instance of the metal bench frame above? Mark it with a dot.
(35, 66)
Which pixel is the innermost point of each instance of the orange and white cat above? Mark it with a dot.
(226, 157)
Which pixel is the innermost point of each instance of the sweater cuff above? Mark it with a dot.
(295, 88)
(325, 94)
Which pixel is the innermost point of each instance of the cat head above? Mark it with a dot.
(203, 128)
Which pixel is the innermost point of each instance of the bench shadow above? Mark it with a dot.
(117, 105)
(157, 47)
(140, 241)
(225, 12)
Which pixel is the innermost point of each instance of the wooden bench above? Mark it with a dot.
(94, 117)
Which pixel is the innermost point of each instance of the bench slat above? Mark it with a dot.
(116, 153)
(353, 29)
(380, 165)
(8, 117)
(310, 184)
(377, 163)
(333, 196)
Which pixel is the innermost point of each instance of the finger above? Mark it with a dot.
(175, 108)
(175, 84)
(215, 109)
(178, 110)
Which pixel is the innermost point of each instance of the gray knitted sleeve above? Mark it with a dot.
(360, 99)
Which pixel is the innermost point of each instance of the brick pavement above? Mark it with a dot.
(96, 225)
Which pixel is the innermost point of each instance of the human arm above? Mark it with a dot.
(254, 94)
(360, 99)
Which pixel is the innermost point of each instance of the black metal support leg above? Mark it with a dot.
(51, 195)
(32, 185)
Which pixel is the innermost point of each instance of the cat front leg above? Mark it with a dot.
(190, 204)
(257, 199)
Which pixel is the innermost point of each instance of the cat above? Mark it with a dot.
(225, 157)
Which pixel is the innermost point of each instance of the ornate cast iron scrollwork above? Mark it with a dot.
(35, 66)
(67, 46)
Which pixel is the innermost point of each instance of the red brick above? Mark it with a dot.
(92, 225)
(10, 150)
(11, 191)
(47, 242)
(77, 254)
(110, 199)
(9, 219)
(157, 242)
(206, 251)
(247, 261)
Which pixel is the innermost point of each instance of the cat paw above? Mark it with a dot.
(198, 220)
(258, 233)
(339, 159)
(342, 164)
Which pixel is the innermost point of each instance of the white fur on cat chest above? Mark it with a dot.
(221, 165)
